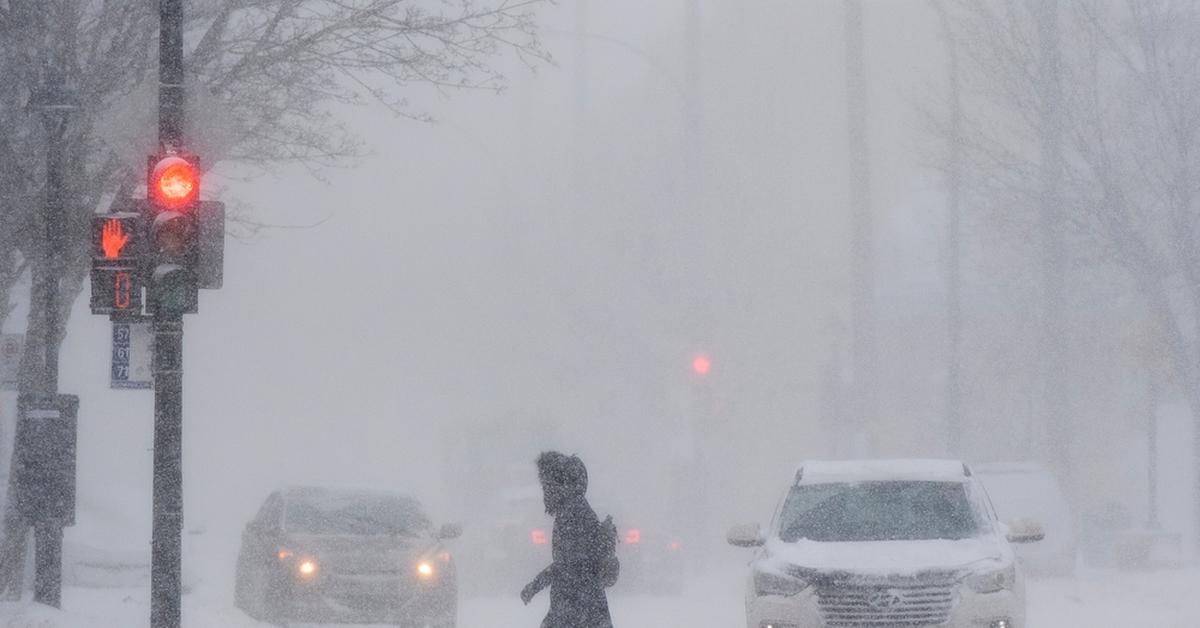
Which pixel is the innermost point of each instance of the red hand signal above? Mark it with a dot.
(113, 239)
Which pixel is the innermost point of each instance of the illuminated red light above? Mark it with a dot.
(113, 239)
(633, 537)
(675, 546)
(538, 537)
(701, 365)
(174, 183)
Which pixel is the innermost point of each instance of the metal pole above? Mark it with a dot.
(580, 103)
(167, 544)
(1055, 416)
(47, 575)
(693, 158)
(862, 247)
(954, 315)
(170, 73)
(56, 123)
(47, 582)
(167, 547)
(56, 104)
(1152, 448)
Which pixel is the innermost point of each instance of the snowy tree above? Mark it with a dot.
(1130, 133)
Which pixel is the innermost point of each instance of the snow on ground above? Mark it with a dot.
(1162, 599)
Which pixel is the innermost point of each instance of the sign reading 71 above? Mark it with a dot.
(116, 255)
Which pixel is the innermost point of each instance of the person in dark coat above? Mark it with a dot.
(576, 577)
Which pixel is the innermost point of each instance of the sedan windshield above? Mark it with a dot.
(878, 511)
(324, 512)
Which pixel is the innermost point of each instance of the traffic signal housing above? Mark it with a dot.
(117, 250)
(173, 195)
(170, 245)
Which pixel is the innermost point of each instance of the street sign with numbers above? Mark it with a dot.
(132, 350)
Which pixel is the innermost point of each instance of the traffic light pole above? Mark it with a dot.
(167, 548)
(167, 544)
(170, 74)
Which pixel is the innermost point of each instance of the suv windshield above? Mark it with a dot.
(878, 511)
(324, 512)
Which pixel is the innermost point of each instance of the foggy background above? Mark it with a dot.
(455, 278)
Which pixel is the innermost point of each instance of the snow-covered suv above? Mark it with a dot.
(885, 543)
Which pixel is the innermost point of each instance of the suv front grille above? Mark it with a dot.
(910, 604)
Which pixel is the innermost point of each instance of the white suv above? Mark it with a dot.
(885, 543)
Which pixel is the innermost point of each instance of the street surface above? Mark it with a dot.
(1160, 599)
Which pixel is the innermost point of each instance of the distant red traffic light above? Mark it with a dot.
(174, 183)
(701, 365)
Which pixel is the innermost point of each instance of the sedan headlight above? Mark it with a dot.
(767, 583)
(1004, 578)
(425, 570)
(307, 568)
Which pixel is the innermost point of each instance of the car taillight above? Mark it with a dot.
(538, 537)
(633, 537)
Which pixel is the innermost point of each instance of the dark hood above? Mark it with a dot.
(564, 481)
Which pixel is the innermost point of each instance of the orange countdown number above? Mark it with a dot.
(122, 291)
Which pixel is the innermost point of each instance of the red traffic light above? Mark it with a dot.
(174, 183)
(701, 365)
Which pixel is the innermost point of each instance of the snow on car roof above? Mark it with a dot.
(319, 492)
(1010, 467)
(824, 471)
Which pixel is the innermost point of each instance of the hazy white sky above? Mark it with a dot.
(455, 277)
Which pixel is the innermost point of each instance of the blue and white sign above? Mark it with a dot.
(12, 346)
(132, 352)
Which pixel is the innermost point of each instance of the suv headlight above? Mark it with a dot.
(1000, 579)
(766, 583)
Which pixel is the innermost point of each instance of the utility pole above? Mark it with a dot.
(48, 536)
(693, 158)
(1056, 417)
(1152, 396)
(43, 469)
(862, 248)
(954, 316)
(579, 113)
(167, 545)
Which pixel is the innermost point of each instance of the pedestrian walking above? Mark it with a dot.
(583, 547)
